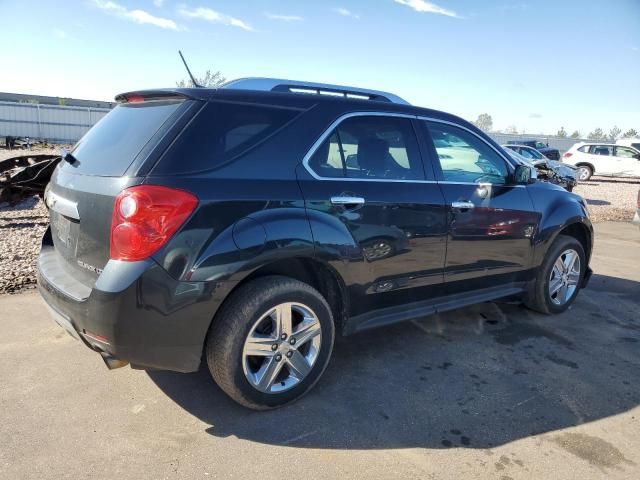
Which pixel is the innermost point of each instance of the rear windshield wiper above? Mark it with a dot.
(68, 157)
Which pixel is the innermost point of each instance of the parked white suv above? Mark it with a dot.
(603, 159)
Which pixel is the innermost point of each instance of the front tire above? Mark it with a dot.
(270, 342)
(559, 277)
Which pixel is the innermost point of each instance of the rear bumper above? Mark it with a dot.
(154, 321)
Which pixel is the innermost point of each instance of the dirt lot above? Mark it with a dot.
(492, 391)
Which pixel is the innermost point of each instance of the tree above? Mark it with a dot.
(597, 134)
(631, 133)
(575, 134)
(484, 122)
(511, 129)
(210, 80)
(614, 133)
(562, 133)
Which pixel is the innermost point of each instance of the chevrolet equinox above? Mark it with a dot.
(249, 225)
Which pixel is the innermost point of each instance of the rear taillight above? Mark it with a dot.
(144, 219)
(567, 155)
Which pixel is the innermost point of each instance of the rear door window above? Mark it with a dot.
(605, 150)
(221, 132)
(370, 147)
(114, 142)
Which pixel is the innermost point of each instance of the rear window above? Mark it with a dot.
(221, 132)
(114, 142)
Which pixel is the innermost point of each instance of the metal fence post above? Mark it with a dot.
(39, 122)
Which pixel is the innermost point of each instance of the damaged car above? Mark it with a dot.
(548, 170)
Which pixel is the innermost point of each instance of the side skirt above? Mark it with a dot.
(391, 315)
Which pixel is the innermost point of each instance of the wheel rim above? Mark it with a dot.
(583, 173)
(564, 277)
(281, 348)
(378, 250)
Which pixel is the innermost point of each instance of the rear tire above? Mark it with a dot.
(559, 277)
(262, 356)
(584, 173)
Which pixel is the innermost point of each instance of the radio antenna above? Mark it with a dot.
(193, 80)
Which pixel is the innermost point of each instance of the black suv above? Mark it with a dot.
(544, 148)
(248, 225)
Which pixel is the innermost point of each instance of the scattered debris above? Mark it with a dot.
(25, 175)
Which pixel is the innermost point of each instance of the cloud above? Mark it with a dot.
(346, 13)
(422, 6)
(283, 18)
(61, 34)
(212, 16)
(535, 115)
(138, 16)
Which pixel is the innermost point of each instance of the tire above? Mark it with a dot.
(252, 313)
(540, 297)
(585, 172)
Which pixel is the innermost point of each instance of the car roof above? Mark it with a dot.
(293, 100)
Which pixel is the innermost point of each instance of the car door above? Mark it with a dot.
(365, 179)
(601, 156)
(491, 220)
(629, 160)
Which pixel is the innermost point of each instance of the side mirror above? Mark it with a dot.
(525, 174)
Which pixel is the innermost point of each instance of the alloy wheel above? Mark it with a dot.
(583, 173)
(564, 277)
(281, 348)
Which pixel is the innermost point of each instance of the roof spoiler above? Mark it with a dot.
(151, 95)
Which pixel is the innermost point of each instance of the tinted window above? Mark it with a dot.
(625, 152)
(541, 145)
(525, 152)
(465, 157)
(370, 147)
(584, 149)
(221, 132)
(534, 153)
(601, 149)
(113, 143)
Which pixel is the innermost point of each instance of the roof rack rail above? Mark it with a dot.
(294, 86)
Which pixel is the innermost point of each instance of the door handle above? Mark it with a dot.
(461, 206)
(347, 201)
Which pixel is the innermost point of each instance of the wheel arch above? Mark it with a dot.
(582, 233)
(577, 227)
(311, 271)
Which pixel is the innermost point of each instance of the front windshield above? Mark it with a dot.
(532, 153)
(518, 158)
(540, 145)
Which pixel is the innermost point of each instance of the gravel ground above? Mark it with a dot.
(610, 198)
(22, 225)
(21, 228)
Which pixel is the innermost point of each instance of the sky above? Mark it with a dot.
(537, 65)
